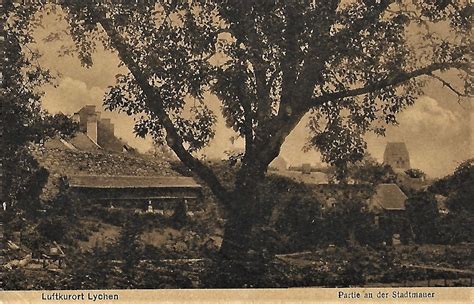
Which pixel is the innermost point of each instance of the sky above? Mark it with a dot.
(437, 129)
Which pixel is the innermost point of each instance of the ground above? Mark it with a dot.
(410, 265)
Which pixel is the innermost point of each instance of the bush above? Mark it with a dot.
(53, 229)
(422, 212)
(180, 217)
(415, 173)
(455, 228)
(295, 212)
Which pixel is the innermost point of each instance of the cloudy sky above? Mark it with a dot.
(437, 130)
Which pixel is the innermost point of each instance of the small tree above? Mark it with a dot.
(23, 121)
(423, 215)
(129, 249)
(458, 188)
(415, 173)
(368, 170)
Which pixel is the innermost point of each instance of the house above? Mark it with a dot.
(89, 166)
(388, 204)
(104, 177)
(152, 192)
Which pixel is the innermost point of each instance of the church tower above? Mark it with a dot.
(396, 155)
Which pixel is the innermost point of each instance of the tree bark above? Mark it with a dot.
(238, 234)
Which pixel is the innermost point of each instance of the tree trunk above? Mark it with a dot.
(241, 262)
(237, 236)
(238, 227)
(243, 215)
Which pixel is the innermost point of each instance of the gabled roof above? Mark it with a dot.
(58, 143)
(389, 197)
(122, 182)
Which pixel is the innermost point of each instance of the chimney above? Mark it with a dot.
(84, 114)
(111, 128)
(89, 109)
(107, 125)
(76, 118)
(92, 127)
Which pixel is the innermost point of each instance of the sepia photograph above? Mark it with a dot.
(233, 144)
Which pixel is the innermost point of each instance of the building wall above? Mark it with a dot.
(84, 115)
(160, 198)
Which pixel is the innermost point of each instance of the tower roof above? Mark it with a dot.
(396, 155)
(398, 148)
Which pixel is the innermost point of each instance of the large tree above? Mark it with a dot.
(350, 65)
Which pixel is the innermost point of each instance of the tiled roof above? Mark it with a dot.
(119, 182)
(389, 197)
(83, 142)
(65, 162)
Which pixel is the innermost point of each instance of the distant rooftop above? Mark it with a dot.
(389, 197)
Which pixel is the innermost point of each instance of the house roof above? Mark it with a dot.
(82, 141)
(123, 181)
(58, 143)
(389, 197)
(279, 163)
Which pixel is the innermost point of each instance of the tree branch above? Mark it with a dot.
(392, 80)
(260, 67)
(447, 84)
(153, 101)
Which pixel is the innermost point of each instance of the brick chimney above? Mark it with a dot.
(76, 118)
(107, 125)
(91, 129)
(84, 114)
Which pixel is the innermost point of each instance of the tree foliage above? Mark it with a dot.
(423, 215)
(458, 187)
(23, 119)
(368, 170)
